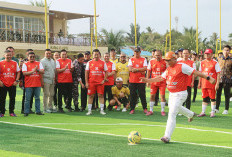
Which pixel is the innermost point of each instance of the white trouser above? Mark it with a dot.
(175, 103)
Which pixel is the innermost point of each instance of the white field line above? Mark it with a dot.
(109, 134)
(118, 124)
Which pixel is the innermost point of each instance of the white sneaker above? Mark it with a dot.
(216, 111)
(124, 110)
(231, 99)
(225, 112)
(48, 111)
(88, 113)
(180, 114)
(102, 112)
(118, 108)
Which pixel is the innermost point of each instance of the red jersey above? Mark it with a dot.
(111, 67)
(96, 71)
(137, 63)
(65, 76)
(192, 65)
(33, 80)
(209, 68)
(176, 77)
(8, 72)
(157, 68)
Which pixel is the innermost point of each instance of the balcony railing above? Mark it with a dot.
(25, 36)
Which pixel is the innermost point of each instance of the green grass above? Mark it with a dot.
(74, 134)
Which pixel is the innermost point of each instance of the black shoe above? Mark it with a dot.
(39, 113)
(77, 110)
(31, 112)
(26, 114)
(22, 112)
(70, 110)
(110, 108)
(61, 111)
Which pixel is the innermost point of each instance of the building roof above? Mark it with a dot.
(40, 10)
(21, 7)
(67, 15)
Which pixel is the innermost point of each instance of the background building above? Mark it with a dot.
(23, 27)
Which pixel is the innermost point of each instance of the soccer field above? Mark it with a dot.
(75, 134)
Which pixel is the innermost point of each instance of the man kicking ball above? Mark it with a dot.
(176, 75)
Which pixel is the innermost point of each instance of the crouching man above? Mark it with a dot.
(120, 95)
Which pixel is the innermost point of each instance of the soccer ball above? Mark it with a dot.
(134, 137)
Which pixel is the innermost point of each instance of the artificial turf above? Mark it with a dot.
(75, 134)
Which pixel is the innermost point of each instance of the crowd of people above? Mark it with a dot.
(116, 83)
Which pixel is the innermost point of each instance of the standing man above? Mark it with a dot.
(110, 79)
(156, 67)
(78, 68)
(32, 71)
(176, 75)
(95, 79)
(22, 83)
(64, 69)
(209, 67)
(190, 80)
(122, 69)
(9, 78)
(113, 56)
(56, 56)
(180, 54)
(225, 63)
(84, 90)
(137, 67)
(11, 49)
(196, 79)
(48, 80)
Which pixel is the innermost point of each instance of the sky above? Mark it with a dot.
(119, 14)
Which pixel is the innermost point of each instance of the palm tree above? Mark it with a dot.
(131, 34)
(38, 3)
(112, 40)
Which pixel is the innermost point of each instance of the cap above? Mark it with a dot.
(181, 49)
(194, 53)
(137, 49)
(119, 79)
(208, 51)
(169, 55)
(87, 53)
(176, 52)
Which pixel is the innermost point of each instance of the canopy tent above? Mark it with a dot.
(130, 52)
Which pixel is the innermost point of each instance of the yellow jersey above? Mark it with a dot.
(122, 70)
(116, 91)
(115, 61)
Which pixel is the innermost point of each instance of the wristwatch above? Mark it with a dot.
(207, 78)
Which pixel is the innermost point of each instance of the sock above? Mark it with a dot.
(162, 106)
(101, 107)
(152, 103)
(89, 107)
(213, 107)
(204, 108)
